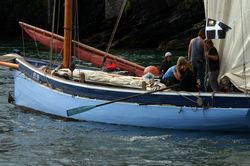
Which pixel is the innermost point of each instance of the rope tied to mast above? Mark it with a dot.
(114, 30)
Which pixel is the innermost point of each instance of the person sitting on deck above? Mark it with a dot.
(166, 63)
(183, 76)
(171, 76)
(186, 76)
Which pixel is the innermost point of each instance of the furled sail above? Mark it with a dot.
(234, 50)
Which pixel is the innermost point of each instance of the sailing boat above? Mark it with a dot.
(83, 52)
(41, 90)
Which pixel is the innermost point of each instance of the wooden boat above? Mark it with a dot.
(37, 88)
(83, 52)
(173, 110)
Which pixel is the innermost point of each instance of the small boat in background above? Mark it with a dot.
(83, 52)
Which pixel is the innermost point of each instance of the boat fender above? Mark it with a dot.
(152, 69)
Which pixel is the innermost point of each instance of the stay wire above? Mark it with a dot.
(243, 52)
(76, 33)
(76, 29)
(114, 30)
(243, 46)
(58, 16)
(52, 30)
(188, 98)
(37, 50)
(205, 51)
(23, 43)
(56, 4)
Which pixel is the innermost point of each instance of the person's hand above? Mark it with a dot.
(177, 75)
(206, 55)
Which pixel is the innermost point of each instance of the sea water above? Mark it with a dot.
(28, 138)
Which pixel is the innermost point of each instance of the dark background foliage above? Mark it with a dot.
(162, 24)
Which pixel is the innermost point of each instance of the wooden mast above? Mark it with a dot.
(67, 33)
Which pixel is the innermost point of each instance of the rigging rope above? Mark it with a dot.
(37, 50)
(115, 29)
(198, 102)
(206, 12)
(52, 30)
(23, 43)
(76, 27)
(76, 37)
(206, 59)
(243, 53)
(58, 16)
(50, 55)
(57, 29)
(243, 47)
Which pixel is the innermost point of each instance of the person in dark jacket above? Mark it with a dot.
(213, 65)
(183, 77)
(166, 63)
(186, 76)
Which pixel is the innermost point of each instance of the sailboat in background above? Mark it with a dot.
(83, 52)
(72, 94)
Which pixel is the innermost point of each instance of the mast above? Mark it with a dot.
(67, 33)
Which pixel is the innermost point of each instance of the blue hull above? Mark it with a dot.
(100, 92)
(34, 95)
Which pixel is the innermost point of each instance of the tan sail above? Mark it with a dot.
(234, 50)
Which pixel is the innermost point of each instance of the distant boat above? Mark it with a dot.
(83, 52)
(83, 94)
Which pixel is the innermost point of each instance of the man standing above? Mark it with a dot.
(213, 65)
(196, 56)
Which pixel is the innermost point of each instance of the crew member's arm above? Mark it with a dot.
(212, 57)
(190, 50)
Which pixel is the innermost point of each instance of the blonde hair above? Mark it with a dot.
(182, 64)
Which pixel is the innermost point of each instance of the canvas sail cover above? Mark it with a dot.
(234, 50)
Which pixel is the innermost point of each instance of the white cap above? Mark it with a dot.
(168, 54)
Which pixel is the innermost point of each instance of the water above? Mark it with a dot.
(35, 139)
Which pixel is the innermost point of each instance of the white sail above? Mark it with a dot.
(234, 50)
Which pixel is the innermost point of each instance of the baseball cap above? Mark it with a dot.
(168, 54)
